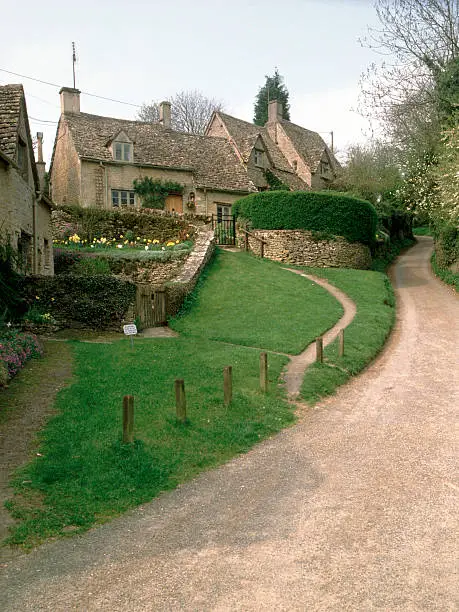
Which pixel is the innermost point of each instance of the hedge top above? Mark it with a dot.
(329, 212)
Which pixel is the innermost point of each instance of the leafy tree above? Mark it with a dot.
(190, 111)
(273, 89)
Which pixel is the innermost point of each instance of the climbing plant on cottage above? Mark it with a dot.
(153, 192)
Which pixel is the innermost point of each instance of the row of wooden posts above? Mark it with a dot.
(180, 398)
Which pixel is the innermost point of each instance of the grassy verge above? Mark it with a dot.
(364, 337)
(380, 264)
(448, 277)
(255, 302)
(422, 231)
(84, 475)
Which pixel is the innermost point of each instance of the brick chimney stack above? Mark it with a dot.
(165, 114)
(40, 164)
(70, 100)
(275, 110)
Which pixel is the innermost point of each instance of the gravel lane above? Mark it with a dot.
(354, 508)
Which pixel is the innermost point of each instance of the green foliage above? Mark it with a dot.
(386, 253)
(10, 300)
(364, 337)
(256, 303)
(446, 245)
(275, 184)
(447, 90)
(273, 89)
(330, 212)
(90, 266)
(153, 192)
(97, 223)
(64, 260)
(447, 276)
(95, 301)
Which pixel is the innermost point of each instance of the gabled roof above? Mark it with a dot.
(12, 104)
(245, 134)
(310, 145)
(10, 111)
(212, 160)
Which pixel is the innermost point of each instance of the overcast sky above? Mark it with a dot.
(140, 51)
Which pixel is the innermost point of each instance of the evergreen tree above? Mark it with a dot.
(273, 89)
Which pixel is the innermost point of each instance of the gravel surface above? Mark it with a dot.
(354, 508)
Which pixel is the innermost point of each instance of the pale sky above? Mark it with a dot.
(140, 51)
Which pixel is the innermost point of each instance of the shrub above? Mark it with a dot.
(91, 266)
(15, 349)
(64, 260)
(95, 301)
(333, 213)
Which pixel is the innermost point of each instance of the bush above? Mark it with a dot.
(446, 245)
(64, 260)
(95, 301)
(15, 349)
(332, 213)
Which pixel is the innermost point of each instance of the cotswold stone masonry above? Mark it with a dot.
(301, 248)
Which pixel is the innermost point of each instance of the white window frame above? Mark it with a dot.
(118, 197)
(125, 151)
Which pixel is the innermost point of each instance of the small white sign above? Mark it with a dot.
(130, 330)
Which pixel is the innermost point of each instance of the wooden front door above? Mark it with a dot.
(174, 203)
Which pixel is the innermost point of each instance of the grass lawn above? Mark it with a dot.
(85, 475)
(364, 337)
(255, 302)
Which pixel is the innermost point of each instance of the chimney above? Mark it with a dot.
(70, 100)
(40, 164)
(165, 114)
(274, 111)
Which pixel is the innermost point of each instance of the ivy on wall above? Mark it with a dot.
(153, 192)
(275, 184)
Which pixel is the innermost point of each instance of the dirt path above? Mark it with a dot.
(352, 509)
(25, 405)
(298, 363)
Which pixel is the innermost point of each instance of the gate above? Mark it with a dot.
(150, 306)
(224, 227)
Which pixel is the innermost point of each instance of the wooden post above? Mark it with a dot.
(264, 372)
(246, 241)
(228, 385)
(341, 343)
(128, 419)
(319, 350)
(180, 400)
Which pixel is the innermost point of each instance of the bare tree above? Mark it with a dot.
(191, 111)
(420, 38)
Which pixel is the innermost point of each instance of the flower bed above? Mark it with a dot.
(16, 348)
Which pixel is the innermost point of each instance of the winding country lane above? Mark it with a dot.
(351, 509)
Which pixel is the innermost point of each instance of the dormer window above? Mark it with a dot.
(258, 157)
(324, 168)
(122, 151)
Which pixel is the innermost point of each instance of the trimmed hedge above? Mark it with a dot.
(331, 213)
(94, 301)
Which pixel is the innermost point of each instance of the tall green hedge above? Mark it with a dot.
(332, 213)
(94, 301)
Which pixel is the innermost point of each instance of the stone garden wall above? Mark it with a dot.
(303, 248)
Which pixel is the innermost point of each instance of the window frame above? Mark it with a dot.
(258, 157)
(117, 195)
(125, 150)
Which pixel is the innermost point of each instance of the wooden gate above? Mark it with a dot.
(151, 306)
(224, 227)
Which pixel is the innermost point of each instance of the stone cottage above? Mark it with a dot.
(96, 159)
(296, 156)
(25, 211)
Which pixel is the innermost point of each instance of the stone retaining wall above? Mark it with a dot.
(302, 248)
(184, 283)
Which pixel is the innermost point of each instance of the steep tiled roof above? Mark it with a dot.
(245, 134)
(310, 145)
(10, 109)
(212, 160)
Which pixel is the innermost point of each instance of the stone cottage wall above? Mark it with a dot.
(301, 248)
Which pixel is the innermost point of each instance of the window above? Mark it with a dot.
(47, 254)
(295, 165)
(324, 167)
(122, 151)
(258, 155)
(23, 161)
(223, 212)
(123, 197)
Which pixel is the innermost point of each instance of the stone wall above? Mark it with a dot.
(302, 248)
(184, 283)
